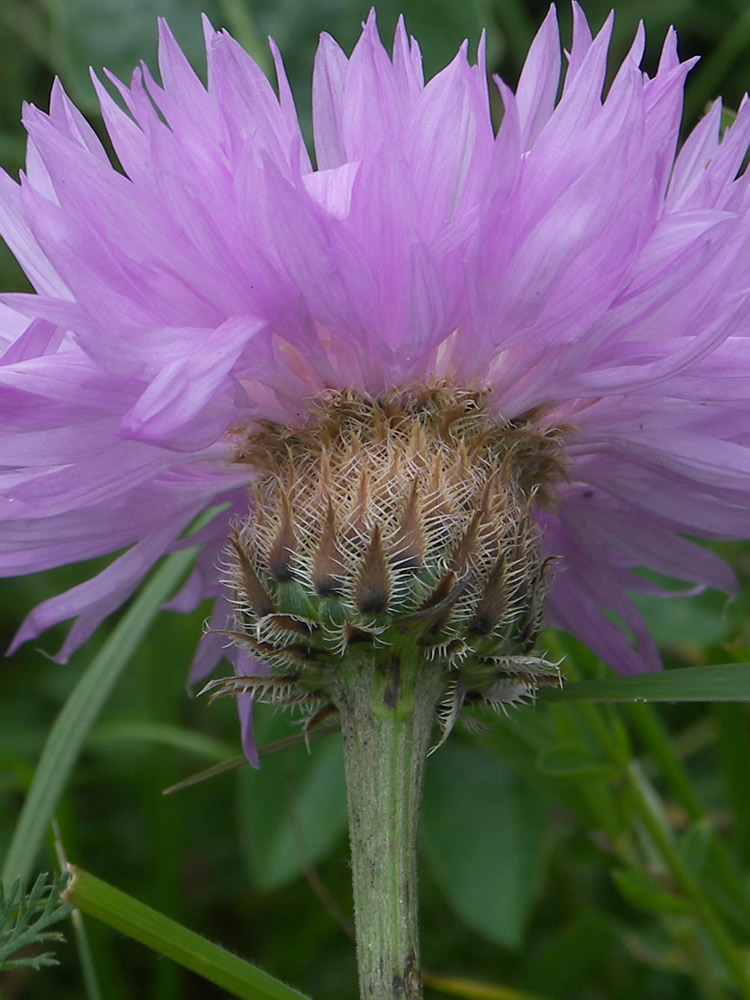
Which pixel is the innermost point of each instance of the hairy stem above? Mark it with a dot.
(386, 720)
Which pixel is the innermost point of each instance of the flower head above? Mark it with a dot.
(570, 266)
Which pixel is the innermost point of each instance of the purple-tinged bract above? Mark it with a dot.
(571, 263)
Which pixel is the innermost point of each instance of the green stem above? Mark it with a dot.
(88, 969)
(386, 720)
(656, 736)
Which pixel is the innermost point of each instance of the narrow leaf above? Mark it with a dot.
(724, 682)
(638, 889)
(265, 751)
(115, 908)
(79, 713)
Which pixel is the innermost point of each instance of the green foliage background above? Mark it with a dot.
(539, 873)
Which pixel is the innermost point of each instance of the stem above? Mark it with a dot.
(387, 712)
(659, 741)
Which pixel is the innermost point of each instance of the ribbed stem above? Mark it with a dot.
(386, 720)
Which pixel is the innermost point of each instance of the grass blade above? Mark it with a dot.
(724, 682)
(90, 895)
(79, 713)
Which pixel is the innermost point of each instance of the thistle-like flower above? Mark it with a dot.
(449, 371)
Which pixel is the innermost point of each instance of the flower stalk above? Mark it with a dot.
(386, 721)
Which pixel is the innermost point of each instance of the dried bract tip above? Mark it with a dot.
(248, 586)
(409, 543)
(327, 567)
(282, 551)
(373, 586)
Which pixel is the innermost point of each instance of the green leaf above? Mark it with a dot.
(25, 921)
(572, 760)
(169, 938)
(684, 622)
(708, 860)
(292, 812)
(79, 713)
(733, 753)
(482, 836)
(638, 889)
(724, 682)
(695, 846)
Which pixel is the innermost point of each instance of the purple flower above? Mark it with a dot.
(572, 262)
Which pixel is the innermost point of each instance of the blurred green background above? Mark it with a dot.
(537, 875)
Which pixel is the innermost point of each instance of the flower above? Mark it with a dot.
(571, 265)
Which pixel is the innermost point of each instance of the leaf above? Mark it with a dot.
(79, 713)
(733, 753)
(482, 837)
(707, 859)
(695, 621)
(695, 846)
(723, 682)
(131, 917)
(25, 921)
(292, 812)
(639, 889)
